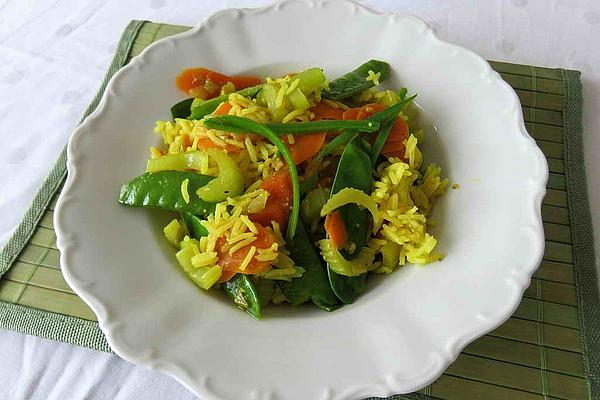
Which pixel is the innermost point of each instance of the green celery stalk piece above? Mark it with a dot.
(229, 183)
(310, 79)
(176, 162)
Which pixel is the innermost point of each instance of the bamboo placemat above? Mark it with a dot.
(548, 349)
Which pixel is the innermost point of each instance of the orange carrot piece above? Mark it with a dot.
(279, 202)
(399, 131)
(363, 112)
(194, 80)
(336, 230)
(223, 108)
(242, 82)
(305, 146)
(325, 111)
(231, 262)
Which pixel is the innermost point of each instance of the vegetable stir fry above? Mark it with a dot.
(291, 189)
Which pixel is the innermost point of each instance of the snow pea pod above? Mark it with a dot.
(244, 294)
(182, 109)
(313, 284)
(208, 106)
(194, 225)
(298, 128)
(356, 81)
(354, 171)
(163, 190)
(230, 123)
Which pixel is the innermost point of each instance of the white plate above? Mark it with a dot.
(408, 327)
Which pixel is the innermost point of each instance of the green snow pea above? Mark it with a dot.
(163, 190)
(200, 107)
(313, 284)
(229, 183)
(356, 81)
(194, 225)
(354, 170)
(244, 294)
(182, 109)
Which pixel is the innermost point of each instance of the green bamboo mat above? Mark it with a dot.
(548, 349)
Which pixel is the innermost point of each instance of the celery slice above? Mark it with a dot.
(206, 277)
(311, 79)
(174, 232)
(229, 183)
(176, 162)
(184, 257)
(210, 277)
(298, 100)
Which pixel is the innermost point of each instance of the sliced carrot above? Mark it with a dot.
(325, 111)
(186, 141)
(364, 112)
(399, 131)
(336, 229)
(192, 77)
(206, 83)
(223, 108)
(242, 82)
(226, 276)
(351, 114)
(305, 146)
(394, 146)
(279, 202)
(231, 263)
(367, 110)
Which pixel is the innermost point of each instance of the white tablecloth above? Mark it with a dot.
(53, 54)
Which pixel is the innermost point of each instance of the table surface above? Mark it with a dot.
(53, 54)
